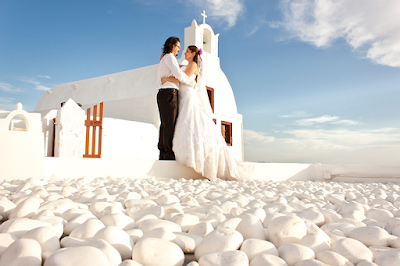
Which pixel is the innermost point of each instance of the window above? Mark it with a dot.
(210, 92)
(226, 130)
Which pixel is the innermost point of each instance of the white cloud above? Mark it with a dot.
(36, 83)
(7, 104)
(326, 119)
(44, 76)
(348, 138)
(256, 137)
(347, 122)
(296, 114)
(227, 10)
(5, 87)
(379, 147)
(369, 25)
(8, 88)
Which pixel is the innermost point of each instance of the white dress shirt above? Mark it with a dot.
(169, 67)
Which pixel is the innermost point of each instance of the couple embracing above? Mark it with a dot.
(191, 138)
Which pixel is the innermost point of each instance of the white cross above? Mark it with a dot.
(204, 16)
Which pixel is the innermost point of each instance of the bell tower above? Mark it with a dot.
(202, 36)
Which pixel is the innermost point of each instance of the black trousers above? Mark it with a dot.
(167, 101)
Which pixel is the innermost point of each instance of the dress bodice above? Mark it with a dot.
(184, 86)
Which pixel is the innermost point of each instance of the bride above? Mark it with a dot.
(197, 141)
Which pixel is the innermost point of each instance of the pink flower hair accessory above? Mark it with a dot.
(200, 51)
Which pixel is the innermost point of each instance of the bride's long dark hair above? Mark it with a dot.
(196, 57)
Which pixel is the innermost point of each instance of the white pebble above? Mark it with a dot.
(333, 258)
(130, 263)
(68, 241)
(5, 241)
(294, 253)
(316, 241)
(119, 220)
(58, 206)
(352, 249)
(185, 221)
(118, 239)
(313, 215)
(330, 216)
(135, 234)
(77, 221)
(160, 233)
(251, 227)
(286, 229)
(18, 227)
(310, 262)
(113, 256)
(88, 229)
(201, 229)
(264, 259)
(26, 209)
(151, 224)
(22, 252)
(379, 215)
(78, 256)
(260, 213)
(157, 252)
(72, 213)
(7, 206)
(389, 258)
(219, 240)
(137, 212)
(45, 236)
(190, 241)
(370, 236)
(367, 263)
(230, 223)
(232, 258)
(254, 247)
(167, 199)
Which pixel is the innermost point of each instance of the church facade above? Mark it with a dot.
(131, 118)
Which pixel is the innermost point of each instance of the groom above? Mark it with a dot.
(167, 97)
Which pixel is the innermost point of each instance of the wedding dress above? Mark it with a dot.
(198, 143)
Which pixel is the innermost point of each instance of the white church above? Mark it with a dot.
(130, 113)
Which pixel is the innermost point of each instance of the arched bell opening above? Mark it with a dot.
(207, 40)
(18, 123)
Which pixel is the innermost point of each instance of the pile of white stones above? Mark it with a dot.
(154, 221)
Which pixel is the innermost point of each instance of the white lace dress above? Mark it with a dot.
(199, 144)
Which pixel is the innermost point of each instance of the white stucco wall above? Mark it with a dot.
(21, 152)
(48, 131)
(70, 131)
(135, 169)
(129, 139)
(135, 83)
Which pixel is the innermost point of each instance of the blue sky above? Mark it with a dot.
(315, 81)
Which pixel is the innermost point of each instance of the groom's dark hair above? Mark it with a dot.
(169, 44)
